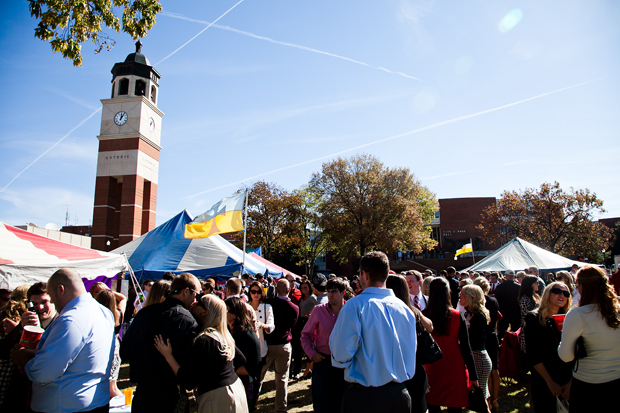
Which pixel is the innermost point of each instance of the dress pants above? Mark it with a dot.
(328, 386)
(392, 397)
(280, 356)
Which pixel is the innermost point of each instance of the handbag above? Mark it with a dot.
(477, 403)
(428, 350)
(580, 352)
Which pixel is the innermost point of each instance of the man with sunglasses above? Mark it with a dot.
(157, 389)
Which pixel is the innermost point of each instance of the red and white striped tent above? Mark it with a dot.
(26, 258)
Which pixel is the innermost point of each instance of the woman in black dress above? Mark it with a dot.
(418, 384)
(242, 329)
(550, 375)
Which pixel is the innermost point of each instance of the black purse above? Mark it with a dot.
(580, 352)
(477, 403)
(428, 349)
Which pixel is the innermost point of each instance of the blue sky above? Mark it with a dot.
(475, 97)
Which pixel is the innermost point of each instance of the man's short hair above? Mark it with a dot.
(417, 274)
(336, 283)
(168, 276)
(376, 265)
(234, 286)
(37, 289)
(183, 281)
(146, 282)
(451, 271)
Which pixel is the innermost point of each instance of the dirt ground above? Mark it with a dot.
(514, 394)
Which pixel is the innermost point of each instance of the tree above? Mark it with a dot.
(365, 205)
(273, 219)
(313, 237)
(561, 222)
(69, 23)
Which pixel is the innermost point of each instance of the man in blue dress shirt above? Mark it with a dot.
(70, 371)
(374, 340)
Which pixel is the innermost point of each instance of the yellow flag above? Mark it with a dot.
(466, 248)
(225, 216)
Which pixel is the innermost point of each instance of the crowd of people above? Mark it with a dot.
(358, 339)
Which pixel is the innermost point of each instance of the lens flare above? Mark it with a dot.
(510, 20)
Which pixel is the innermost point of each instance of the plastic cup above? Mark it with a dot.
(31, 336)
(128, 395)
(559, 320)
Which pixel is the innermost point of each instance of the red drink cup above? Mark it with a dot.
(559, 320)
(31, 336)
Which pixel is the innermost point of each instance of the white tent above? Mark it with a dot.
(519, 255)
(26, 258)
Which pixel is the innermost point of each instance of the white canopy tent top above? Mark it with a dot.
(26, 258)
(518, 255)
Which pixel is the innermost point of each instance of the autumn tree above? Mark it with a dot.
(273, 219)
(67, 24)
(313, 238)
(559, 221)
(366, 206)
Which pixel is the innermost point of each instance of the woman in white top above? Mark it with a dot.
(597, 319)
(567, 279)
(264, 325)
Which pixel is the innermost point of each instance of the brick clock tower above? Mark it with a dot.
(128, 162)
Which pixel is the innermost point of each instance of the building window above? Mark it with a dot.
(123, 86)
(112, 91)
(140, 88)
(154, 94)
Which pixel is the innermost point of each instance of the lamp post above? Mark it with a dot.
(107, 248)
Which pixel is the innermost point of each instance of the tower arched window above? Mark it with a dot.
(154, 94)
(123, 87)
(140, 88)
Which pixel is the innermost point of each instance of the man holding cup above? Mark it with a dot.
(71, 366)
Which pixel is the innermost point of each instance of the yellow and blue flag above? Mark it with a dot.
(225, 216)
(466, 248)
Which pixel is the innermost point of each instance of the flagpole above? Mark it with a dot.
(245, 226)
(472, 250)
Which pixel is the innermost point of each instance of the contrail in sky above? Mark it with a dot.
(433, 126)
(92, 114)
(52, 147)
(309, 49)
(199, 33)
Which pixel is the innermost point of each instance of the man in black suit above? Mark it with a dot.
(454, 286)
(507, 294)
(414, 282)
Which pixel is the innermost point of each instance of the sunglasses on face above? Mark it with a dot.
(256, 292)
(559, 291)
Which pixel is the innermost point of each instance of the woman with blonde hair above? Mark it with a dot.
(158, 293)
(214, 359)
(597, 321)
(426, 285)
(567, 279)
(478, 319)
(550, 375)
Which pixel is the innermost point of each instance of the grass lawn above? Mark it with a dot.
(513, 394)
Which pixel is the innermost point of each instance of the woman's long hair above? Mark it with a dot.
(439, 306)
(107, 299)
(476, 300)
(243, 319)
(527, 288)
(158, 292)
(215, 325)
(543, 310)
(596, 290)
(398, 284)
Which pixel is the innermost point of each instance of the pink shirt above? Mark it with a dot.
(315, 335)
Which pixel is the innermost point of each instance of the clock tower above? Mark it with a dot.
(128, 161)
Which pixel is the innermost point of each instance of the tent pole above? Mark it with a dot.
(472, 251)
(245, 232)
(132, 277)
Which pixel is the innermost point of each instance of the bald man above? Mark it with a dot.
(70, 369)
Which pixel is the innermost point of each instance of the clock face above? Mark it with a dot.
(151, 124)
(120, 118)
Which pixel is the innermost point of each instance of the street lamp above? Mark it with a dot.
(107, 246)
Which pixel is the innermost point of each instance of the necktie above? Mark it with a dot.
(416, 302)
(493, 289)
